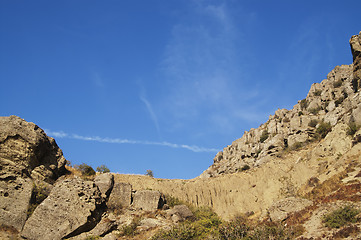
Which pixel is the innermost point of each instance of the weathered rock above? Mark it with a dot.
(280, 209)
(26, 154)
(105, 183)
(73, 206)
(27, 151)
(106, 225)
(121, 196)
(14, 201)
(179, 213)
(355, 43)
(148, 200)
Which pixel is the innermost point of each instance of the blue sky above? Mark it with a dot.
(163, 84)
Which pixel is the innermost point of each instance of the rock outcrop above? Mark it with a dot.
(73, 206)
(27, 151)
(355, 43)
(148, 200)
(105, 183)
(27, 154)
(335, 100)
(121, 196)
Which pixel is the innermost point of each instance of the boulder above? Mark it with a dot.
(105, 183)
(148, 200)
(121, 196)
(27, 154)
(280, 209)
(73, 206)
(14, 202)
(179, 213)
(27, 151)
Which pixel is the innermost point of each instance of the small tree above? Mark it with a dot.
(103, 169)
(85, 169)
(149, 173)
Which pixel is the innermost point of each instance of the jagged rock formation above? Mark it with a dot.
(335, 100)
(26, 155)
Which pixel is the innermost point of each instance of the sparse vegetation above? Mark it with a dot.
(304, 103)
(245, 168)
(323, 129)
(315, 110)
(341, 217)
(149, 173)
(264, 136)
(173, 201)
(296, 146)
(103, 169)
(339, 101)
(38, 196)
(300, 113)
(85, 169)
(313, 123)
(337, 84)
(131, 229)
(317, 92)
(352, 128)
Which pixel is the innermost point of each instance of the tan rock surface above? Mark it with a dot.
(73, 206)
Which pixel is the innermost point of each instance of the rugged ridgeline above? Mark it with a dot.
(336, 100)
(295, 168)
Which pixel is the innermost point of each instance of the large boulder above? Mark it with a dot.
(105, 183)
(148, 200)
(179, 213)
(121, 196)
(26, 154)
(73, 206)
(14, 200)
(27, 151)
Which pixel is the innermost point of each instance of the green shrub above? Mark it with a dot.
(264, 136)
(352, 129)
(304, 103)
(38, 195)
(341, 217)
(323, 129)
(130, 230)
(173, 201)
(313, 123)
(315, 110)
(103, 169)
(235, 229)
(300, 113)
(85, 169)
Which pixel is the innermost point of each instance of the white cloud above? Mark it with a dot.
(192, 148)
(203, 71)
(150, 110)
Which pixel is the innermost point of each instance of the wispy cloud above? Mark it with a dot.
(193, 148)
(150, 110)
(203, 71)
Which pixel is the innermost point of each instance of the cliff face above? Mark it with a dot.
(336, 100)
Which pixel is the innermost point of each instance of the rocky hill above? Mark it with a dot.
(335, 100)
(291, 172)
